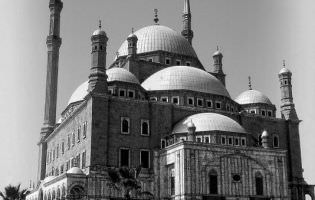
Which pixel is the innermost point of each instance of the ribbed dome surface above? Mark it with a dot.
(252, 96)
(209, 122)
(185, 78)
(114, 74)
(159, 38)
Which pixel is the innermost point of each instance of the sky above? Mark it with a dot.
(254, 36)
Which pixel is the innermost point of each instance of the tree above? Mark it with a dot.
(126, 179)
(14, 193)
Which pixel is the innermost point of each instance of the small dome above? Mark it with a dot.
(185, 78)
(99, 32)
(264, 134)
(75, 170)
(252, 96)
(48, 178)
(132, 35)
(114, 74)
(120, 74)
(159, 38)
(217, 53)
(285, 70)
(191, 124)
(209, 122)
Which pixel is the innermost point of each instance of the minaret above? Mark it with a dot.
(132, 45)
(187, 32)
(98, 77)
(53, 42)
(287, 105)
(218, 66)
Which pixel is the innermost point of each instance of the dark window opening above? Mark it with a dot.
(187, 63)
(124, 157)
(163, 144)
(259, 184)
(236, 177)
(164, 99)
(121, 93)
(145, 128)
(209, 104)
(178, 62)
(167, 61)
(172, 185)
(243, 141)
(276, 141)
(230, 141)
(236, 141)
(145, 159)
(125, 126)
(131, 94)
(213, 182)
(263, 113)
(198, 139)
(207, 140)
(218, 105)
(200, 102)
(175, 100)
(223, 140)
(101, 47)
(269, 114)
(190, 101)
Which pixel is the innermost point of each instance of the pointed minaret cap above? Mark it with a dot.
(284, 70)
(99, 31)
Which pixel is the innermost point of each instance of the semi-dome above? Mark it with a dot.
(252, 96)
(114, 74)
(209, 122)
(75, 170)
(159, 38)
(185, 78)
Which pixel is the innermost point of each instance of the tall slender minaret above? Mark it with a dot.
(98, 77)
(53, 42)
(187, 32)
(218, 66)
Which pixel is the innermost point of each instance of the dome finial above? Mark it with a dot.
(100, 24)
(283, 63)
(217, 47)
(132, 30)
(156, 19)
(249, 83)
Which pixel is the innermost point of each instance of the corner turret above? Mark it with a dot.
(218, 66)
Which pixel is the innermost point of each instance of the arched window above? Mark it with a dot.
(259, 183)
(213, 182)
(144, 127)
(125, 125)
(275, 141)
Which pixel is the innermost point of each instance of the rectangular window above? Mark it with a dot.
(190, 101)
(150, 59)
(209, 103)
(125, 125)
(178, 62)
(263, 112)
(269, 113)
(236, 141)
(223, 140)
(188, 63)
(73, 139)
(199, 139)
(175, 100)
(243, 141)
(167, 61)
(145, 127)
(153, 98)
(83, 159)
(230, 140)
(124, 157)
(207, 139)
(163, 143)
(84, 129)
(145, 158)
(164, 99)
(131, 94)
(122, 92)
(200, 102)
(79, 134)
(218, 105)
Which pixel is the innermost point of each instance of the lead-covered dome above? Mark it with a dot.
(75, 170)
(159, 38)
(251, 97)
(185, 78)
(209, 122)
(113, 74)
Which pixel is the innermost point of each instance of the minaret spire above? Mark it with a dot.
(249, 83)
(187, 32)
(156, 17)
(53, 42)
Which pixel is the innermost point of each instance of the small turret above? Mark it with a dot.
(191, 131)
(132, 45)
(98, 77)
(287, 105)
(218, 66)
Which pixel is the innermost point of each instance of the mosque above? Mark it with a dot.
(156, 107)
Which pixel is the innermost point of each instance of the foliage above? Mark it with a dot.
(14, 193)
(126, 179)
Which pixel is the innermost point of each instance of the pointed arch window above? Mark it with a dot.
(125, 125)
(145, 130)
(259, 183)
(213, 182)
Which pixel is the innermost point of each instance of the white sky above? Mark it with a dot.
(254, 35)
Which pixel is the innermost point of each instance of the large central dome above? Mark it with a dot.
(159, 38)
